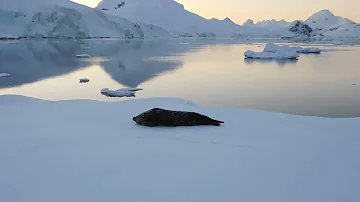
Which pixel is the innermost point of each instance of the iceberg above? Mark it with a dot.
(5, 75)
(8, 37)
(83, 56)
(280, 54)
(118, 93)
(272, 48)
(309, 50)
(131, 89)
(84, 80)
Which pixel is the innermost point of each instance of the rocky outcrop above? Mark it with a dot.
(302, 29)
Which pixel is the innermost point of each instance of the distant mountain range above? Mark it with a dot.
(323, 23)
(157, 18)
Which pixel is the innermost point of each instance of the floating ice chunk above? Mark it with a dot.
(117, 93)
(83, 56)
(5, 75)
(8, 36)
(87, 48)
(282, 53)
(131, 89)
(309, 50)
(84, 80)
(272, 48)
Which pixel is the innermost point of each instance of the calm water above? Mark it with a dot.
(208, 72)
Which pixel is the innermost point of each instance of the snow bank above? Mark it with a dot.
(93, 151)
(5, 75)
(282, 53)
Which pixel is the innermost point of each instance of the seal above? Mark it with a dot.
(167, 118)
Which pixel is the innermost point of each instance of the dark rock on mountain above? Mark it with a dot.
(302, 29)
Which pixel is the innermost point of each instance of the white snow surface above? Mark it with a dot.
(5, 75)
(62, 18)
(92, 151)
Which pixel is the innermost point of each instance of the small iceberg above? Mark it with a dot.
(309, 50)
(131, 89)
(280, 54)
(83, 56)
(272, 48)
(8, 37)
(5, 75)
(124, 92)
(84, 80)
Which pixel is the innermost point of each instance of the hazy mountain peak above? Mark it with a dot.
(248, 22)
(323, 14)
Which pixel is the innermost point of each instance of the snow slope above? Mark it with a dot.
(330, 25)
(61, 18)
(93, 151)
(173, 17)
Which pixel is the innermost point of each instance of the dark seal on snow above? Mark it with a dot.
(161, 117)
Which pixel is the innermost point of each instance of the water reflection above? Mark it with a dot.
(31, 61)
(208, 72)
(125, 61)
(280, 63)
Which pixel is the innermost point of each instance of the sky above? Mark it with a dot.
(241, 10)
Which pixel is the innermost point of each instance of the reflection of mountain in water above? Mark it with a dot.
(130, 64)
(31, 61)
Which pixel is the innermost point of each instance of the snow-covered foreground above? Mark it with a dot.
(93, 151)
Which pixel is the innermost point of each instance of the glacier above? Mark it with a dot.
(62, 19)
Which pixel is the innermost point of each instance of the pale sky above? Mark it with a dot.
(241, 10)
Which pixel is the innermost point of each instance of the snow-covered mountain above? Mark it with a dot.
(62, 18)
(268, 24)
(328, 24)
(173, 17)
(322, 23)
(156, 18)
